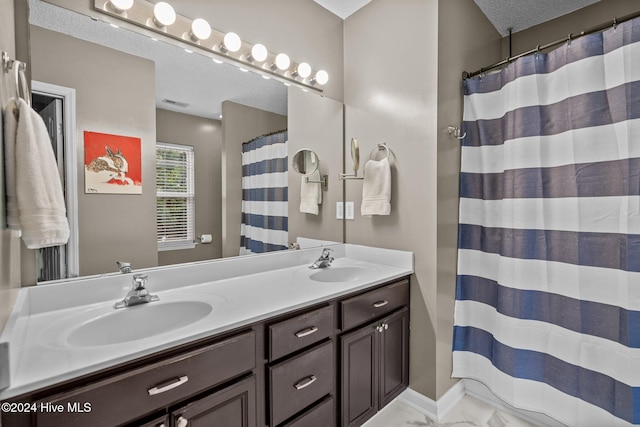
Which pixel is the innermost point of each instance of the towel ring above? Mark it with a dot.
(380, 147)
(22, 90)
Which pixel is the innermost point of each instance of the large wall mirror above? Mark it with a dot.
(180, 108)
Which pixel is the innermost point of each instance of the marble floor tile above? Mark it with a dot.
(469, 412)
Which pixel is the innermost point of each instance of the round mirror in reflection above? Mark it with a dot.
(305, 162)
(355, 155)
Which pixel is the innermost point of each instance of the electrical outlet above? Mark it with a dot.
(349, 210)
(339, 210)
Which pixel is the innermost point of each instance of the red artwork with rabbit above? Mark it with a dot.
(113, 164)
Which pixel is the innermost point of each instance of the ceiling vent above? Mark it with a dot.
(175, 103)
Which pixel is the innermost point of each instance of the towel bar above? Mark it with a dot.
(324, 180)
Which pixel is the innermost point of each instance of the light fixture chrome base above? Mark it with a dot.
(141, 15)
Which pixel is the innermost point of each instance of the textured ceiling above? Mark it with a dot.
(522, 14)
(503, 14)
(180, 76)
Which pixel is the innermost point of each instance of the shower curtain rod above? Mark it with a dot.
(602, 27)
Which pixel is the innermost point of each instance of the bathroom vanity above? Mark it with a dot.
(281, 345)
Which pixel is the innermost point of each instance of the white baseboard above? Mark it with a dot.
(437, 410)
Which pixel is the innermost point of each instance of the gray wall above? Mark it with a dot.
(468, 45)
(405, 92)
(315, 122)
(9, 243)
(391, 96)
(205, 135)
(115, 94)
(239, 124)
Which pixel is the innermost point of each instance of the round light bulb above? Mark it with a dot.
(303, 70)
(232, 42)
(283, 61)
(200, 29)
(322, 77)
(259, 52)
(121, 5)
(164, 14)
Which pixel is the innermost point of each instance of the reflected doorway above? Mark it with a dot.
(56, 106)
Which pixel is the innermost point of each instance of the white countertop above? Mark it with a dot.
(241, 291)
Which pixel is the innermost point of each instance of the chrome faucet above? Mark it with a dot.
(324, 261)
(125, 267)
(139, 294)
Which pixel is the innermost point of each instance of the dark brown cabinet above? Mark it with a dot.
(375, 366)
(162, 421)
(332, 364)
(233, 406)
(139, 393)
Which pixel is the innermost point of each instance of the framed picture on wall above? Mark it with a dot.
(112, 164)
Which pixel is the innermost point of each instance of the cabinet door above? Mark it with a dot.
(158, 422)
(233, 406)
(394, 356)
(359, 397)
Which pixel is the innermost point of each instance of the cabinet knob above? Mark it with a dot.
(379, 328)
(385, 326)
(182, 422)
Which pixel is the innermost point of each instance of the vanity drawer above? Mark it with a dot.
(301, 331)
(320, 415)
(298, 382)
(141, 391)
(367, 306)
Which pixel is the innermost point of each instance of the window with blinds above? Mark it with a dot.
(176, 196)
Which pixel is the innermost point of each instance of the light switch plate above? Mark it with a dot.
(349, 210)
(339, 210)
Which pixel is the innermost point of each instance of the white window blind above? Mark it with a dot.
(176, 196)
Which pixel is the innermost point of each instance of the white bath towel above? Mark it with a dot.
(35, 200)
(310, 194)
(376, 189)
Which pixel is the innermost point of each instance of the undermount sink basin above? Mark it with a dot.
(337, 274)
(137, 322)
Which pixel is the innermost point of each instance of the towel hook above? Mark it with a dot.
(21, 86)
(382, 146)
(455, 131)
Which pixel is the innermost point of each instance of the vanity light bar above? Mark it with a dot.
(227, 47)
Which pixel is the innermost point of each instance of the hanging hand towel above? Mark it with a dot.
(310, 194)
(35, 201)
(376, 190)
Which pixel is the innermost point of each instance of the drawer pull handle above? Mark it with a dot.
(305, 332)
(306, 382)
(380, 303)
(161, 389)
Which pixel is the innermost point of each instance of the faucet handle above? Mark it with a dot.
(326, 252)
(125, 267)
(140, 282)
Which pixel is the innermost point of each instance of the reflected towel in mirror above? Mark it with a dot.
(35, 200)
(310, 194)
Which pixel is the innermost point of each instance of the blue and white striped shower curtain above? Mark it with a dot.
(548, 288)
(264, 194)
